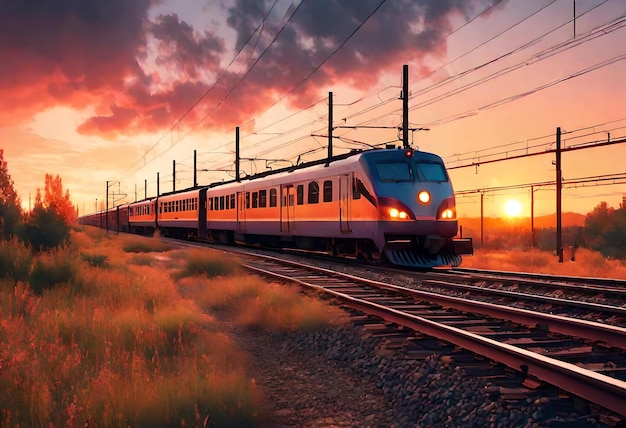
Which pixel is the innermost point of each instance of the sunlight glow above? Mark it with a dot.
(512, 208)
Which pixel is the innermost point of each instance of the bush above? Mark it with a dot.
(15, 260)
(95, 260)
(45, 229)
(209, 263)
(145, 245)
(10, 219)
(53, 268)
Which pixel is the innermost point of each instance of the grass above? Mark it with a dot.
(586, 263)
(92, 334)
(255, 304)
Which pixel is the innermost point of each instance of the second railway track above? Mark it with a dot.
(594, 373)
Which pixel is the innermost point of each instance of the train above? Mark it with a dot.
(392, 204)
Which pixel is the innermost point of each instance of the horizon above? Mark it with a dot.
(97, 99)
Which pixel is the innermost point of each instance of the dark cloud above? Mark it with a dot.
(400, 32)
(90, 53)
(69, 50)
(179, 46)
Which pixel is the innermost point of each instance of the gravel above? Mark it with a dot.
(347, 378)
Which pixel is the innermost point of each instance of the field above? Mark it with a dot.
(127, 331)
(120, 331)
(585, 263)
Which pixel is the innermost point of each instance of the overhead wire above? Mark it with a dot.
(208, 90)
(435, 123)
(493, 61)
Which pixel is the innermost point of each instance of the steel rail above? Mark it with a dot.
(616, 310)
(588, 282)
(595, 387)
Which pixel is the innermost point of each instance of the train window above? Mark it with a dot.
(232, 201)
(262, 198)
(255, 199)
(247, 199)
(394, 172)
(431, 171)
(314, 192)
(328, 191)
(210, 201)
(177, 206)
(272, 197)
(222, 203)
(300, 194)
(216, 203)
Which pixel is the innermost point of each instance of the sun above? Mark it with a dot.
(512, 208)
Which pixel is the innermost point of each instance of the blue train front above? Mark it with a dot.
(414, 202)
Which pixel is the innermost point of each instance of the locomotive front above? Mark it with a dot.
(417, 221)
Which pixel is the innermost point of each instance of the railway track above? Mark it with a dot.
(591, 372)
(585, 358)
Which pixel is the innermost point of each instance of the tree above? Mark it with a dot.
(55, 199)
(10, 204)
(48, 223)
(605, 230)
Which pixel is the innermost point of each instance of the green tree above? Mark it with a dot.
(10, 205)
(605, 230)
(596, 225)
(48, 224)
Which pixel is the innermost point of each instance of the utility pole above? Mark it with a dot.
(106, 221)
(559, 186)
(482, 220)
(532, 216)
(174, 175)
(330, 126)
(195, 169)
(405, 106)
(237, 157)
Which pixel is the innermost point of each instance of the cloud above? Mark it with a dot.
(142, 75)
(66, 51)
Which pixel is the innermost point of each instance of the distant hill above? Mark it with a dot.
(568, 219)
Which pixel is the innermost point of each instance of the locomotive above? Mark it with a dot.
(392, 204)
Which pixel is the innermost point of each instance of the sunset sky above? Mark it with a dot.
(117, 90)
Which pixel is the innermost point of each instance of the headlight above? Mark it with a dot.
(392, 209)
(423, 197)
(447, 210)
(396, 213)
(447, 213)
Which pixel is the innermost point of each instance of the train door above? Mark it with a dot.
(202, 214)
(345, 185)
(241, 211)
(287, 208)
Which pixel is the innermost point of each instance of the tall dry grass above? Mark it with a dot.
(586, 262)
(116, 338)
(254, 303)
(113, 346)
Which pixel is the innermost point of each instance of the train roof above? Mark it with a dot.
(378, 153)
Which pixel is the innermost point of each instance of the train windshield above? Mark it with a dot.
(430, 171)
(394, 172)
